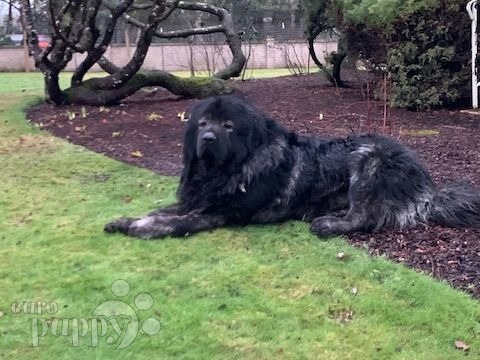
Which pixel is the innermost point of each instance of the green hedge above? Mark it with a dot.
(426, 51)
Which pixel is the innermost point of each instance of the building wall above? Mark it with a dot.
(174, 57)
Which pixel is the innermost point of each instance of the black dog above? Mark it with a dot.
(241, 167)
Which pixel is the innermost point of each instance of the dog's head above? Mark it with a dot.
(223, 134)
(223, 130)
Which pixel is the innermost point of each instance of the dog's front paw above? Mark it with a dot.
(152, 227)
(121, 225)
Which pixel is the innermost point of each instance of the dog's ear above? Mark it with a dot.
(273, 127)
(190, 141)
(273, 130)
(189, 154)
(264, 130)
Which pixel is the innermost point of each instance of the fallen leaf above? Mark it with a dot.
(460, 345)
(71, 115)
(127, 199)
(136, 153)
(154, 116)
(181, 116)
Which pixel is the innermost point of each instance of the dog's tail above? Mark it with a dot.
(456, 205)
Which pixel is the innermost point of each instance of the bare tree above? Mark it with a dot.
(319, 18)
(9, 21)
(8, 26)
(75, 29)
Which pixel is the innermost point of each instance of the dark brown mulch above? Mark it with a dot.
(448, 145)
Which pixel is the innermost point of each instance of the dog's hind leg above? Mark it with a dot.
(388, 188)
(365, 210)
(337, 225)
(362, 195)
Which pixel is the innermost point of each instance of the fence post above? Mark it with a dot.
(269, 44)
(473, 13)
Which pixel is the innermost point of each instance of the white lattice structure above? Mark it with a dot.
(473, 13)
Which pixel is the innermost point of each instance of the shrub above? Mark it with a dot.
(424, 47)
(428, 58)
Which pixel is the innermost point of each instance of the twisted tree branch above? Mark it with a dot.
(75, 30)
(188, 87)
(96, 51)
(226, 27)
(145, 39)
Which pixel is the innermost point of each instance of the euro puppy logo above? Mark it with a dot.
(241, 167)
(115, 321)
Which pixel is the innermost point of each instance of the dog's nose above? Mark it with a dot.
(209, 137)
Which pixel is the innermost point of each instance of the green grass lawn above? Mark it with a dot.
(259, 292)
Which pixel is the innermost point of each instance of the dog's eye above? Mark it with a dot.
(228, 125)
(202, 123)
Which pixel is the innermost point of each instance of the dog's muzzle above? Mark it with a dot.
(209, 137)
(207, 143)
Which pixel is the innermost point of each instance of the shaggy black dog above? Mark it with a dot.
(241, 167)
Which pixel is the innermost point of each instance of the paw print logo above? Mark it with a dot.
(122, 317)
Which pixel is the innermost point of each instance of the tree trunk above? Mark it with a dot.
(238, 58)
(333, 75)
(127, 38)
(53, 93)
(336, 61)
(75, 31)
(26, 51)
(312, 52)
(88, 92)
(8, 29)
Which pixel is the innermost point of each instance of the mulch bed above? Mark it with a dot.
(146, 130)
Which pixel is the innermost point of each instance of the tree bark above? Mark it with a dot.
(53, 93)
(337, 58)
(337, 61)
(89, 94)
(312, 52)
(8, 27)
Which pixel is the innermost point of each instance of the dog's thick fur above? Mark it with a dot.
(241, 167)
